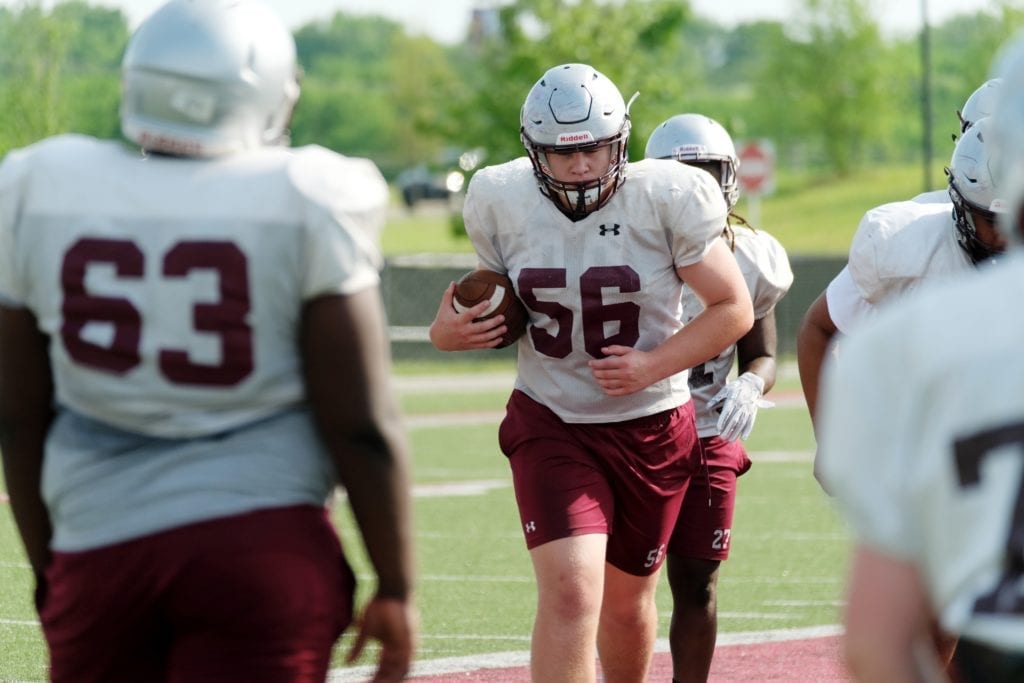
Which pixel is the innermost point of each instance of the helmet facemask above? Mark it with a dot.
(577, 200)
(964, 212)
(723, 170)
(974, 192)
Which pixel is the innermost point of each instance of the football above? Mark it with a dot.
(479, 285)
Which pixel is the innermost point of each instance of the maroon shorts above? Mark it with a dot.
(704, 528)
(260, 596)
(624, 479)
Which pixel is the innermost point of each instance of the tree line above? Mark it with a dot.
(826, 86)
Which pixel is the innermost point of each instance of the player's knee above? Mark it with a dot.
(571, 603)
(694, 583)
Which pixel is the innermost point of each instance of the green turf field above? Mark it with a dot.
(476, 590)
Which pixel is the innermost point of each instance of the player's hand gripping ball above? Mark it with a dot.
(478, 285)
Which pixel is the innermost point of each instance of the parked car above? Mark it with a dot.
(445, 180)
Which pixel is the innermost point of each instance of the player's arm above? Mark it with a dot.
(812, 343)
(347, 368)
(728, 314)
(756, 350)
(888, 621)
(26, 400)
(454, 331)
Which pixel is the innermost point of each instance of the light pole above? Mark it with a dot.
(926, 96)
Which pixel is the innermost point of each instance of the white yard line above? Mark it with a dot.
(504, 660)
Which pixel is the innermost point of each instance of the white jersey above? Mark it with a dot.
(171, 291)
(609, 278)
(172, 288)
(766, 270)
(897, 247)
(922, 443)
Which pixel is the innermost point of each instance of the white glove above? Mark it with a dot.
(740, 400)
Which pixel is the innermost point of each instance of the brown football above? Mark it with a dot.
(478, 285)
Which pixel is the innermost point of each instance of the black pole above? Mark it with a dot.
(926, 96)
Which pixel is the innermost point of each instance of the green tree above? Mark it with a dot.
(371, 90)
(33, 47)
(59, 71)
(823, 81)
(631, 42)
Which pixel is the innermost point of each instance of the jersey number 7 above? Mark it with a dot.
(969, 452)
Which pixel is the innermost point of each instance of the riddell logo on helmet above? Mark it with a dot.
(575, 138)
(690, 150)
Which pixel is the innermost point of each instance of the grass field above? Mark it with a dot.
(476, 589)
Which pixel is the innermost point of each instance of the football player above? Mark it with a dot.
(191, 331)
(599, 430)
(725, 410)
(901, 246)
(922, 443)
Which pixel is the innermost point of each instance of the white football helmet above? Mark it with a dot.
(973, 188)
(209, 77)
(574, 107)
(698, 140)
(980, 104)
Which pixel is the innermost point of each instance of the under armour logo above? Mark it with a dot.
(613, 230)
(530, 527)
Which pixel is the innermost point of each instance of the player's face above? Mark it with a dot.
(580, 167)
(988, 233)
(712, 167)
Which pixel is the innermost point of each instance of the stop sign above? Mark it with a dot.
(757, 167)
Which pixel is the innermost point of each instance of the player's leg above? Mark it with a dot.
(629, 625)
(565, 504)
(570, 577)
(653, 460)
(700, 542)
(265, 597)
(694, 626)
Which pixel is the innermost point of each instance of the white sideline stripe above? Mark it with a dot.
(19, 622)
(15, 565)
(459, 488)
(454, 382)
(781, 456)
(504, 660)
(461, 578)
(454, 419)
(477, 487)
(457, 578)
(406, 333)
(447, 637)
